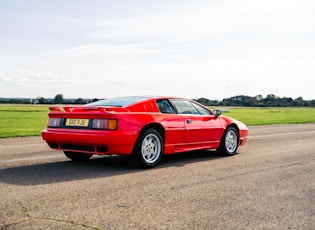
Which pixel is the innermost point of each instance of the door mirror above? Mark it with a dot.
(217, 112)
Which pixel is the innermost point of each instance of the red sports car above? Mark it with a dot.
(142, 127)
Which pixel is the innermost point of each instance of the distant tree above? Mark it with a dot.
(79, 101)
(311, 103)
(58, 99)
(207, 102)
(203, 101)
(259, 97)
(270, 100)
(286, 101)
(299, 102)
(94, 100)
(41, 100)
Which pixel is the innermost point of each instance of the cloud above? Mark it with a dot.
(29, 83)
(177, 57)
(211, 20)
(207, 48)
(93, 49)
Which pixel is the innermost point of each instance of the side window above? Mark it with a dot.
(185, 107)
(202, 110)
(165, 106)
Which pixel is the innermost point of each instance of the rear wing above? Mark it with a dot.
(87, 109)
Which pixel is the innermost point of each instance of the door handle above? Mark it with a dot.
(188, 121)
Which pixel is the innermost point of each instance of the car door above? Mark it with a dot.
(172, 122)
(201, 125)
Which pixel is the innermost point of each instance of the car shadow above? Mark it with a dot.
(181, 159)
(96, 167)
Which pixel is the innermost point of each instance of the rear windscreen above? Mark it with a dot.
(118, 101)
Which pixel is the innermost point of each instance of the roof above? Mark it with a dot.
(125, 101)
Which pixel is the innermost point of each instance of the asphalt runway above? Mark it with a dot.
(269, 184)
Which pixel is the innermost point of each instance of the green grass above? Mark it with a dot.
(30, 120)
(19, 120)
(267, 116)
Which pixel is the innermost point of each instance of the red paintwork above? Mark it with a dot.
(204, 132)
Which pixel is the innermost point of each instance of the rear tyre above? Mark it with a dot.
(229, 142)
(148, 149)
(77, 156)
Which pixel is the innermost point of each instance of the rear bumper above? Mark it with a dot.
(91, 141)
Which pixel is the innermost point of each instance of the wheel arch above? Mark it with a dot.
(157, 126)
(223, 149)
(236, 127)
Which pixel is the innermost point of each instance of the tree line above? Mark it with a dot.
(58, 99)
(270, 100)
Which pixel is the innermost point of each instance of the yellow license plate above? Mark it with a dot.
(77, 122)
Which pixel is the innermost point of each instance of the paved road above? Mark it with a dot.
(270, 184)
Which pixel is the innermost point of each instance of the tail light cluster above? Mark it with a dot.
(53, 122)
(105, 124)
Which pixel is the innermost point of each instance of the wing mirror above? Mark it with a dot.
(217, 112)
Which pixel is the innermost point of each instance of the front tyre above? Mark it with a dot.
(229, 142)
(148, 149)
(77, 156)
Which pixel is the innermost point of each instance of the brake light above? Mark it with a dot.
(104, 124)
(53, 122)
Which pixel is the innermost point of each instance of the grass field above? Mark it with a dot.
(20, 120)
(29, 120)
(267, 116)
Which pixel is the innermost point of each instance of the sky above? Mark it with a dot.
(203, 48)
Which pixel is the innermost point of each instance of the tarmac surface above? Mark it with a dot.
(269, 184)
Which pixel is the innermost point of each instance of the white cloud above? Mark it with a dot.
(93, 49)
(218, 50)
(177, 57)
(211, 20)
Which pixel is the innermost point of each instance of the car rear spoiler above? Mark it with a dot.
(87, 109)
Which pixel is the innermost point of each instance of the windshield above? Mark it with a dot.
(118, 101)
